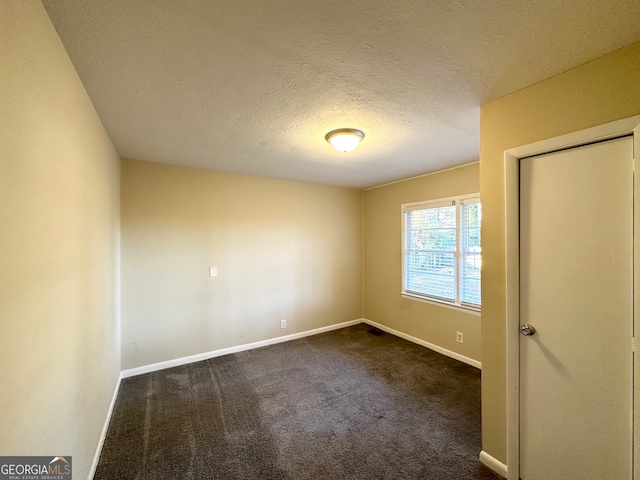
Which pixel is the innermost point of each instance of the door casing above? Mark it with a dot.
(512, 159)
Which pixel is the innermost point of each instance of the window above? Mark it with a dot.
(441, 251)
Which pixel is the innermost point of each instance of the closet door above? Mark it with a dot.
(576, 292)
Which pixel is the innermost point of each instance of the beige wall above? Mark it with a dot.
(598, 92)
(383, 263)
(284, 250)
(59, 216)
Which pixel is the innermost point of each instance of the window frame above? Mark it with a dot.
(458, 201)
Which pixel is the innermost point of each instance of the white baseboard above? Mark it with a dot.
(495, 465)
(105, 427)
(443, 351)
(239, 348)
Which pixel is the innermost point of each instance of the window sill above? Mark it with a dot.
(459, 308)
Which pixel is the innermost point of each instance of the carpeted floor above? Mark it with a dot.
(348, 404)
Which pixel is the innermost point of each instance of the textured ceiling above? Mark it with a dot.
(252, 86)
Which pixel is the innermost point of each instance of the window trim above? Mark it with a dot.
(451, 306)
(458, 201)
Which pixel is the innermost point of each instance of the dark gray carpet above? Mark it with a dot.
(347, 404)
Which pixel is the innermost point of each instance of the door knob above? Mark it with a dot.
(527, 330)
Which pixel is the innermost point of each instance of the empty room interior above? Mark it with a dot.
(300, 240)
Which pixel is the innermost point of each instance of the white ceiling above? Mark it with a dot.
(253, 86)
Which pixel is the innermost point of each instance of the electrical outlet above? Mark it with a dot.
(459, 337)
(283, 323)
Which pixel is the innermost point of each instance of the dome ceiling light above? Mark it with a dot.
(344, 139)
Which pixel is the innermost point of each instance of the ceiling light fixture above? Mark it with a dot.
(344, 139)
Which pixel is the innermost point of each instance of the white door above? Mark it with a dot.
(576, 290)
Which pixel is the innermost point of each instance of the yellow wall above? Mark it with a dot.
(383, 263)
(284, 250)
(59, 257)
(595, 93)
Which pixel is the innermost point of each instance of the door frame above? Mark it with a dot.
(512, 158)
